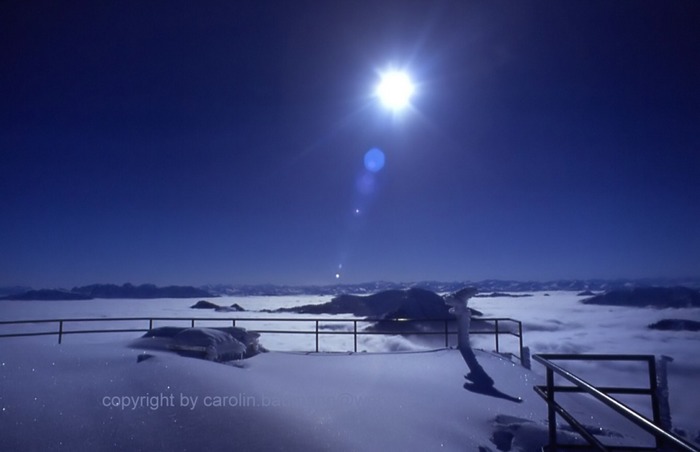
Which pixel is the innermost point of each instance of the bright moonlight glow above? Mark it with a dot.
(395, 90)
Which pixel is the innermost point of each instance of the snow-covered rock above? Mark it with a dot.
(214, 344)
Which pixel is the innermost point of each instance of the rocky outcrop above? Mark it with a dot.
(414, 303)
(676, 325)
(656, 297)
(503, 295)
(235, 307)
(425, 309)
(203, 304)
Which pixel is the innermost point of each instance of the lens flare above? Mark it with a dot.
(374, 160)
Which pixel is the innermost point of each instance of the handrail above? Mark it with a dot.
(317, 331)
(663, 437)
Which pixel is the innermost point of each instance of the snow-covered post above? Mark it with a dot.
(458, 302)
(662, 391)
(525, 358)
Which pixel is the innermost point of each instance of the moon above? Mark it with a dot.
(395, 89)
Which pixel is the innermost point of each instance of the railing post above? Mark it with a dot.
(354, 334)
(520, 336)
(665, 419)
(60, 331)
(497, 347)
(192, 323)
(233, 322)
(447, 334)
(316, 336)
(551, 413)
(653, 387)
(150, 324)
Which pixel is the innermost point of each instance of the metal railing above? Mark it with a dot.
(61, 330)
(664, 440)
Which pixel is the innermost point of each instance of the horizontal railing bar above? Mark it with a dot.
(281, 319)
(586, 447)
(593, 357)
(55, 333)
(441, 333)
(500, 332)
(350, 333)
(604, 389)
(359, 333)
(291, 332)
(625, 411)
(142, 330)
(131, 330)
(631, 448)
(248, 319)
(41, 333)
(11, 322)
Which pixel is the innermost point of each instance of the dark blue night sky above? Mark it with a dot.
(188, 142)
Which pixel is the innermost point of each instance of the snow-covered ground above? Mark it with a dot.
(91, 393)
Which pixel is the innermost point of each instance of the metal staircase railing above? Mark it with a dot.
(664, 440)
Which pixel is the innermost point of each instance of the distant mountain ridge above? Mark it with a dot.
(13, 290)
(143, 291)
(47, 294)
(484, 286)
